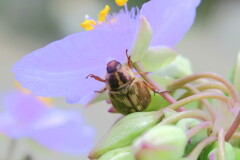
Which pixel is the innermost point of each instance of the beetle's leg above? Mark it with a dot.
(129, 60)
(102, 90)
(95, 77)
(153, 89)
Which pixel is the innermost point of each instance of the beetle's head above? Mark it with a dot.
(113, 66)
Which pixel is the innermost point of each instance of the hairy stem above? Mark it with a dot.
(197, 97)
(198, 149)
(182, 81)
(205, 101)
(199, 114)
(138, 66)
(221, 149)
(198, 128)
(233, 127)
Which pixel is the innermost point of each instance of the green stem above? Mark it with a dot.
(138, 66)
(233, 127)
(182, 81)
(205, 101)
(198, 149)
(199, 114)
(204, 125)
(221, 148)
(197, 97)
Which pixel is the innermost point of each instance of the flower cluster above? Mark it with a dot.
(198, 119)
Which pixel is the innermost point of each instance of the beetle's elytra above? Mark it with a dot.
(127, 92)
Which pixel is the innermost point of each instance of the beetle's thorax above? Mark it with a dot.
(118, 75)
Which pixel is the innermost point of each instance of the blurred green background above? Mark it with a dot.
(212, 44)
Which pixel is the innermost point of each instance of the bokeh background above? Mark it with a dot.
(212, 44)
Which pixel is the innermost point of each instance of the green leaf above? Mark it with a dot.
(143, 40)
(157, 57)
(119, 154)
(125, 131)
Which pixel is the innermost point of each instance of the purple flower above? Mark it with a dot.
(24, 115)
(60, 68)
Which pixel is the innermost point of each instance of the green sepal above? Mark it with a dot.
(118, 154)
(125, 131)
(143, 40)
(157, 57)
(178, 68)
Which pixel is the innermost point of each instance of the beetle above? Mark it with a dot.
(127, 92)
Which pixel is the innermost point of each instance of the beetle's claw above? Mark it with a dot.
(90, 75)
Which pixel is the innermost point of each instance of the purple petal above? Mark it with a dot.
(20, 112)
(60, 68)
(169, 19)
(64, 131)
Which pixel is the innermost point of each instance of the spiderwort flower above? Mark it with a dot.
(60, 68)
(25, 116)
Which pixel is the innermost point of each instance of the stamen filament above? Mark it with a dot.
(182, 81)
(204, 101)
(185, 114)
(198, 149)
(197, 97)
(221, 148)
(233, 127)
(204, 125)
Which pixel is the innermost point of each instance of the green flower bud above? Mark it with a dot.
(187, 123)
(161, 142)
(237, 152)
(125, 131)
(211, 152)
(168, 112)
(119, 154)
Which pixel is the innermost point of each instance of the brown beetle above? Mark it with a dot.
(127, 92)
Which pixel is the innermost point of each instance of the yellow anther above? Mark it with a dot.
(45, 100)
(121, 2)
(19, 86)
(103, 14)
(88, 24)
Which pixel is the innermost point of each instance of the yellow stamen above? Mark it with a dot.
(88, 24)
(44, 100)
(19, 86)
(103, 14)
(47, 101)
(121, 2)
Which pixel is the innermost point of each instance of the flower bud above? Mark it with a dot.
(119, 154)
(211, 152)
(161, 142)
(125, 131)
(237, 152)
